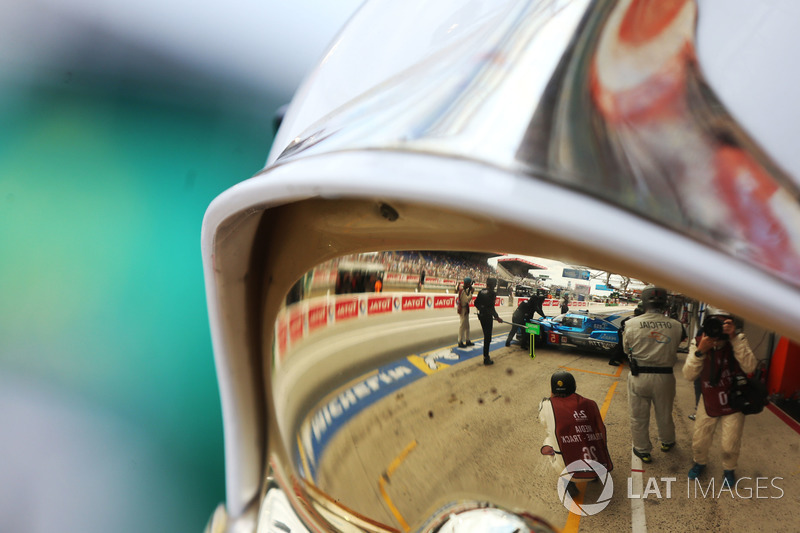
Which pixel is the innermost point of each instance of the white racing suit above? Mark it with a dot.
(705, 424)
(652, 340)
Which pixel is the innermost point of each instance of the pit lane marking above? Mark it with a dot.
(384, 479)
(616, 374)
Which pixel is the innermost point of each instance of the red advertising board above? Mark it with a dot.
(282, 335)
(346, 308)
(317, 316)
(444, 302)
(413, 303)
(296, 325)
(382, 304)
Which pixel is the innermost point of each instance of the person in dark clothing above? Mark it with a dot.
(484, 303)
(523, 313)
(618, 355)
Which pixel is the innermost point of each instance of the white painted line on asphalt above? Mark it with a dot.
(638, 518)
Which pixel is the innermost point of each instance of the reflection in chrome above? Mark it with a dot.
(474, 517)
(606, 97)
(470, 126)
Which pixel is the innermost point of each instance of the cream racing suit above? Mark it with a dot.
(652, 340)
(732, 424)
(463, 299)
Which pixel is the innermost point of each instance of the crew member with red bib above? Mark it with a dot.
(575, 429)
(717, 359)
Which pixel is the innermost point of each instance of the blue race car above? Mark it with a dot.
(591, 331)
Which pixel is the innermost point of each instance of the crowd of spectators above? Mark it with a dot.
(434, 264)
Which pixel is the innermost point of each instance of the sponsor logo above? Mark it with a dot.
(659, 337)
(317, 317)
(282, 335)
(346, 309)
(413, 303)
(444, 302)
(432, 360)
(379, 305)
(296, 326)
(585, 509)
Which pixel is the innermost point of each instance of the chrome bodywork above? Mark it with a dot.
(447, 112)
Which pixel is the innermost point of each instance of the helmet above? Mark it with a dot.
(562, 383)
(717, 312)
(448, 143)
(467, 281)
(654, 297)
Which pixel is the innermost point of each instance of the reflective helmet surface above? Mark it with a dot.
(576, 130)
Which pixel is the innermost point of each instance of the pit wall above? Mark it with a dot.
(299, 320)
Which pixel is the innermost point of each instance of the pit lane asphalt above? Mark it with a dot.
(471, 431)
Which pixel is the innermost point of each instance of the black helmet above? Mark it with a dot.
(654, 297)
(562, 383)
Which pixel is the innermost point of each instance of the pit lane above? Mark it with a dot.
(460, 424)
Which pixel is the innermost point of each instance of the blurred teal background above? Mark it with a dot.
(109, 407)
(119, 123)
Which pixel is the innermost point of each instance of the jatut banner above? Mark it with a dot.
(379, 304)
(303, 318)
(444, 302)
(413, 303)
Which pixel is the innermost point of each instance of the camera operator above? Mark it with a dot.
(721, 355)
(651, 341)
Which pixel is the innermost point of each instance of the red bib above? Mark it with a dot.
(580, 432)
(716, 395)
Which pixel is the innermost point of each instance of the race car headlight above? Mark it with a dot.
(536, 128)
